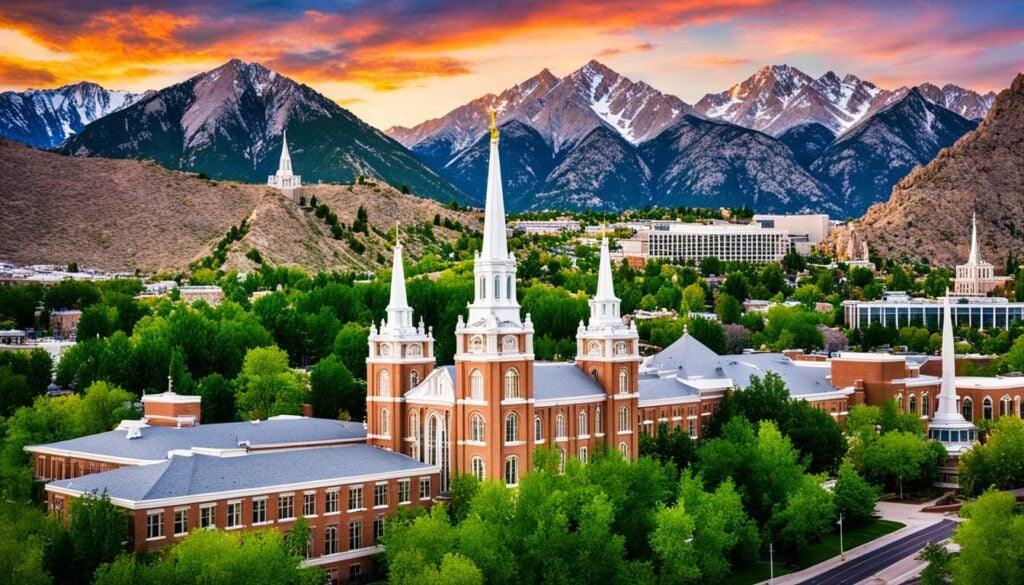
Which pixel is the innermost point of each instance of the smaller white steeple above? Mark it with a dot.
(284, 178)
(399, 313)
(973, 258)
(284, 169)
(604, 307)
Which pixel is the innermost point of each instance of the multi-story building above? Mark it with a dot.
(898, 309)
(805, 231)
(64, 323)
(976, 277)
(213, 295)
(677, 241)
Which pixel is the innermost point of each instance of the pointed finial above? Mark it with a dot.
(494, 125)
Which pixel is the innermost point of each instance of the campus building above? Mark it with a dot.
(680, 242)
(976, 277)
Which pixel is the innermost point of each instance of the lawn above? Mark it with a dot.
(815, 553)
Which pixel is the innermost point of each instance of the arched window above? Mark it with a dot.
(508, 288)
(593, 374)
(497, 287)
(899, 400)
(925, 405)
(538, 429)
(483, 288)
(330, 540)
(511, 428)
(623, 381)
(912, 404)
(385, 422)
(620, 348)
(598, 426)
(583, 455)
(1005, 406)
(414, 350)
(433, 429)
(477, 428)
(561, 461)
(511, 384)
(624, 449)
(476, 385)
(384, 350)
(478, 468)
(581, 424)
(384, 383)
(414, 379)
(594, 348)
(414, 432)
(624, 419)
(476, 345)
(560, 431)
(512, 471)
(967, 409)
(986, 408)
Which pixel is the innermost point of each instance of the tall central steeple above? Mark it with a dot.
(284, 169)
(973, 258)
(399, 313)
(948, 425)
(494, 267)
(604, 307)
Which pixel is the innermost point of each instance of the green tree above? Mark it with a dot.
(694, 298)
(672, 542)
(351, 346)
(991, 542)
(710, 265)
(724, 536)
(98, 531)
(729, 310)
(333, 390)
(268, 386)
(794, 262)
(710, 333)
(897, 456)
(736, 286)
(900, 280)
(855, 497)
(808, 514)
(218, 399)
(939, 560)
(995, 463)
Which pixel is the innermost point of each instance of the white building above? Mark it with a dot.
(547, 227)
(288, 183)
(806, 231)
(689, 241)
(976, 277)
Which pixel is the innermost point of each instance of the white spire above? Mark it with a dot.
(495, 244)
(494, 268)
(284, 169)
(973, 258)
(399, 313)
(604, 307)
(947, 412)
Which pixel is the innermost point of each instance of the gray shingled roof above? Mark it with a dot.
(566, 381)
(690, 358)
(156, 441)
(197, 475)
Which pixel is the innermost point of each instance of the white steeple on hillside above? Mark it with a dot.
(973, 258)
(948, 425)
(494, 268)
(284, 179)
(604, 307)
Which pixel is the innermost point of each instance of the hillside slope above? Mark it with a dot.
(127, 215)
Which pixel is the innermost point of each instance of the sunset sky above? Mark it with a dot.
(394, 62)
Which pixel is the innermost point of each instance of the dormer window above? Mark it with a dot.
(476, 344)
(620, 348)
(509, 344)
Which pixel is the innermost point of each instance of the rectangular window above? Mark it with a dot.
(180, 521)
(380, 494)
(424, 488)
(330, 540)
(155, 525)
(403, 491)
(355, 570)
(309, 504)
(259, 510)
(331, 502)
(208, 516)
(285, 507)
(355, 498)
(355, 535)
(378, 529)
(234, 514)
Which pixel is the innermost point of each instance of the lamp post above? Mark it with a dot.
(842, 554)
(771, 563)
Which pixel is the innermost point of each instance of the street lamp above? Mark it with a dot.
(842, 555)
(771, 563)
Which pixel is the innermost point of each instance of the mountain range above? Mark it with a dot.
(228, 123)
(780, 141)
(930, 211)
(44, 118)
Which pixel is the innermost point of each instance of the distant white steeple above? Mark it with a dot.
(399, 313)
(494, 268)
(973, 258)
(284, 178)
(604, 307)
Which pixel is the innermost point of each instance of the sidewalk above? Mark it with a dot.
(908, 514)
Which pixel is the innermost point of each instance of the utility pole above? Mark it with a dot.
(842, 554)
(771, 563)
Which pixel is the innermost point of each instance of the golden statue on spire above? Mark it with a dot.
(494, 126)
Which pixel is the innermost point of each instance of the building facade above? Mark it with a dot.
(287, 182)
(976, 277)
(680, 242)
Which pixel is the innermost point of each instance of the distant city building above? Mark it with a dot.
(213, 295)
(547, 227)
(679, 241)
(900, 310)
(290, 184)
(64, 324)
(806, 231)
(976, 277)
(13, 337)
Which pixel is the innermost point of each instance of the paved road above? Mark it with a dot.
(863, 567)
